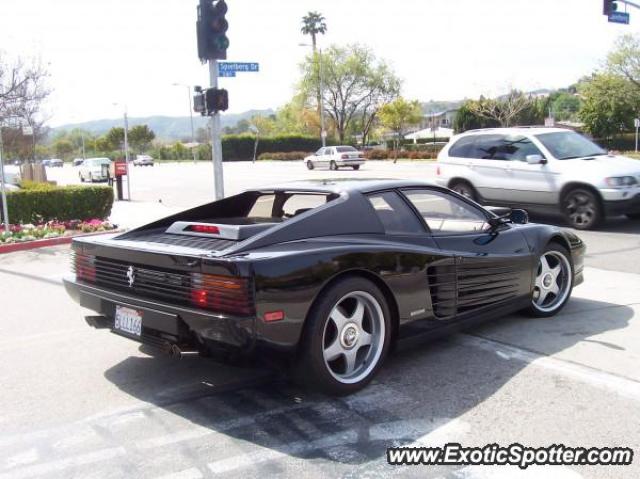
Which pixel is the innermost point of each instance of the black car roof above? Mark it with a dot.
(341, 185)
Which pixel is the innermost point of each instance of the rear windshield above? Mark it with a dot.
(345, 149)
(280, 206)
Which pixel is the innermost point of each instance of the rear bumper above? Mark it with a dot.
(623, 206)
(353, 162)
(168, 323)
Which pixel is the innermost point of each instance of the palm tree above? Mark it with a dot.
(312, 24)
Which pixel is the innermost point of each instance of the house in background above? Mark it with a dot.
(438, 125)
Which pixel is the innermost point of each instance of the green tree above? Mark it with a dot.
(467, 118)
(505, 110)
(63, 147)
(313, 23)
(356, 84)
(399, 115)
(114, 138)
(624, 59)
(565, 106)
(140, 136)
(609, 105)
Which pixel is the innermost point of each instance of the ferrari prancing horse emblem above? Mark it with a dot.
(131, 276)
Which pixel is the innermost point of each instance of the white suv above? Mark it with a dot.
(548, 169)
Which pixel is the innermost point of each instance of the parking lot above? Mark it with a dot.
(77, 402)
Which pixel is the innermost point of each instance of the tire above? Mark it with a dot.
(310, 165)
(356, 167)
(553, 283)
(633, 216)
(333, 165)
(81, 178)
(333, 334)
(465, 189)
(582, 209)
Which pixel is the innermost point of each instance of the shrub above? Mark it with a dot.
(240, 147)
(284, 156)
(378, 154)
(410, 155)
(60, 203)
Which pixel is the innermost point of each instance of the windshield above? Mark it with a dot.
(344, 149)
(565, 145)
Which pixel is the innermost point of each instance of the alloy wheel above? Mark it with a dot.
(353, 337)
(553, 281)
(581, 209)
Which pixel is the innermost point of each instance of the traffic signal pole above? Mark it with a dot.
(216, 142)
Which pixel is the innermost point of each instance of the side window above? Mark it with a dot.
(462, 148)
(446, 214)
(505, 148)
(394, 214)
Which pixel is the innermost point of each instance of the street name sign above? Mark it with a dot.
(229, 69)
(619, 17)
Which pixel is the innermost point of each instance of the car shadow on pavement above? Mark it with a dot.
(257, 420)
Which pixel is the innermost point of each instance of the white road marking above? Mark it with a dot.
(594, 377)
(62, 464)
(27, 457)
(191, 473)
(514, 472)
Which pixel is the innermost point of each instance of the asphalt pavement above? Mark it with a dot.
(77, 402)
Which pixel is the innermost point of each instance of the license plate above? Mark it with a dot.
(128, 321)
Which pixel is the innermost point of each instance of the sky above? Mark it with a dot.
(130, 52)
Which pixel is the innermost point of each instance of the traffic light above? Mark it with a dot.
(217, 99)
(608, 7)
(211, 28)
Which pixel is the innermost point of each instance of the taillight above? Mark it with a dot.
(438, 171)
(208, 229)
(225, 294)
(344, 156)
(85, 267)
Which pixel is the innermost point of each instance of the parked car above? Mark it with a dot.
(94, 169)
(547, 169)
(78, 161)
(327, 273)
(334, 157)
(12, 177)
(143, 160)
(53, 163)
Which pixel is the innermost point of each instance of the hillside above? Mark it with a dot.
(165, 127)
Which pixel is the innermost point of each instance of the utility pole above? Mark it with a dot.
(126, 152)
(216, 142)
(83, 152)
(5, 209)
(323, 132)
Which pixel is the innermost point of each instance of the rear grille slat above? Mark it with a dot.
(172, 286)
(159, 236)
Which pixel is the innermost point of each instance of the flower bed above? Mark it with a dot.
(52, 229)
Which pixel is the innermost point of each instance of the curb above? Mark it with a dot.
(43, 243)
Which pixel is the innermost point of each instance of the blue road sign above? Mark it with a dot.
(619, 17)
(238, 67)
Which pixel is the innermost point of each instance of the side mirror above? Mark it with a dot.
(519, 217)
(536, 160)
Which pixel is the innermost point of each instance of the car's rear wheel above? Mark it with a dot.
(333, 165)
(356, 167)
(346, 337)
(81, 178)
(633, 216)
(582, 209)
(465, 189)
(553, 283)
(310, 165)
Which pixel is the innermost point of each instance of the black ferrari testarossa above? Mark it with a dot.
(329, 273)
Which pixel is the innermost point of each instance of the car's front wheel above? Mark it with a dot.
(333, 165)
(582, 209)
(310, 165)
(346, 337)
(553, 283)
(356, 167)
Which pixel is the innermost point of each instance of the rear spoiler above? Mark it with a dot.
(214, 230)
